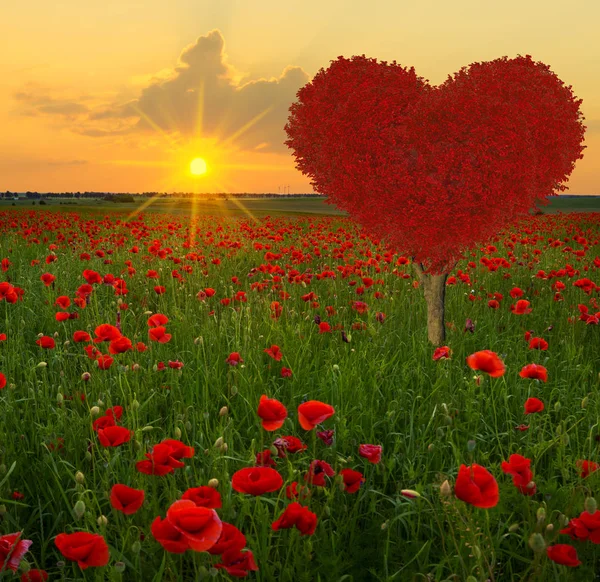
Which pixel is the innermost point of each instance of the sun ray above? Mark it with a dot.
(200, 114)
(246, 126)
(156, 127)
(144, 205)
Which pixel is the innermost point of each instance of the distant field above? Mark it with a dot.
(257, 206)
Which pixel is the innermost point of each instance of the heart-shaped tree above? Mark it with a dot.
(434, 171)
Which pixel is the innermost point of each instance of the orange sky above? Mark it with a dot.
(121, 95)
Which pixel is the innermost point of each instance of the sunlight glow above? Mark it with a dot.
(198, 167)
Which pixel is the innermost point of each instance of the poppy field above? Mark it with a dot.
(223, 398)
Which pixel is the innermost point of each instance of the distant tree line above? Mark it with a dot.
(129, 197)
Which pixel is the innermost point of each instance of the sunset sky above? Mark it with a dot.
(121, 96)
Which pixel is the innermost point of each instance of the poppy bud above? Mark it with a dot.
(384, 525)
(79, 509)
(471, 444)
(79, 477)
(556, 406)
(119, 567)
(88, 456)
(86, 376)
(445, 489)
(155, 368)
(584, 402)
(147, 312)
(549, 528)
(136, 547)
(448, 420)
(563, 520)
(177, 432)
(410, 493)
(222, 450)
(514, 527)
(476, 552)
(67, 344)
(59, 398)
(135, 367)
(188, 426)
(336, 368)
(2, 509)
(537, 543)
(100, 402)
(590, 505)
(471, 579)
(135, 405)
(56, 334)
(147, 428)
(102, 521)
(218, 443)
(199, 340)
(224, 411)
(42, 365)
(541, 514)
(95, 410)
(214, 483)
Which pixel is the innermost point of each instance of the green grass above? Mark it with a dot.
(430, 417)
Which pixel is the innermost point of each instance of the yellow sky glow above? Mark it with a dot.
(121, 95)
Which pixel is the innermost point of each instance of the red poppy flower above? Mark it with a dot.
(104, 361)
(12, 550)
(165, 457)
(256, 480)
(537, 343)
(114, 436)
(352, 480)
(521, 307)
(584, 527)
(493, 304)
(231, 539)
(534, 372)
(289, 444)
(47, 279)
(63, 302)
(106, 333)
(46, 342)
(488, 362)
(516, 292)
(518, 467)
(477, 486)
(160, 289)
(159, 334)
(62, 316)
(204, 496)
(324, 327)
(87, 549)
(587, 467)
(34, 575)
(313, 412)
(140, 347)
(272, 412)
(120, 345)
(237, 563)
(81, 336)
(317, 472)
(234, 359)
(263, 459)
(126, 499)
(296, 515)
(563, 554)
(199, 525)
(533, 405)
(2, 380)
(103, 422)
(443, 352)
(286, 372)
(371, 452)
(92, 277)
(275, 352)
(168, 537)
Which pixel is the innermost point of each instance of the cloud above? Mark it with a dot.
(67, 162)
(44, 104)
(255, 112)
(592, 125)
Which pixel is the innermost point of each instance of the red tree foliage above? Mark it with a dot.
(436, 170)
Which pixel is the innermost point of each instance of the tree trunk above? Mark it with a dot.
(434, 288)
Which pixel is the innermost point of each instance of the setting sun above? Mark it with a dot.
(198, 167)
